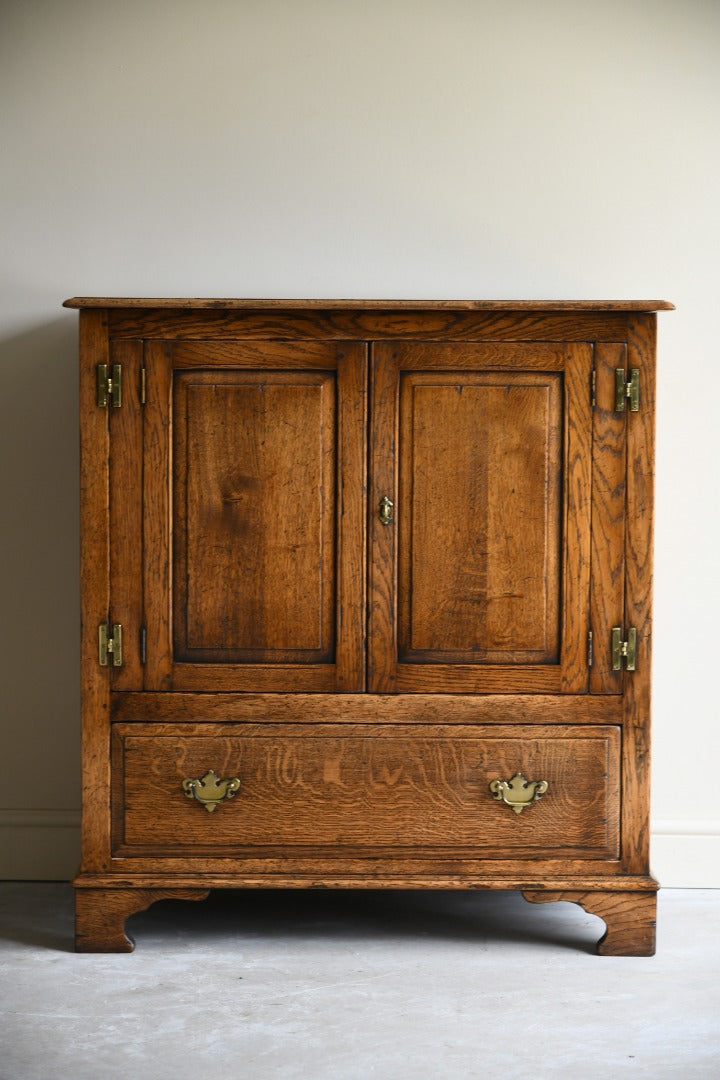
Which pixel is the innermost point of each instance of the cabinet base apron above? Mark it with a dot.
(627, 906)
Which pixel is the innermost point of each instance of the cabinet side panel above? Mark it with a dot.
(94, 576)
(638, 596)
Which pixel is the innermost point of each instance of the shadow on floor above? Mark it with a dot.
(41, 914)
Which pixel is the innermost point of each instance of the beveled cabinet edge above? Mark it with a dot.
(368, 320)
(268, 304)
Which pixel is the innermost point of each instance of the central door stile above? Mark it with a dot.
(351, 548)
(382, 547)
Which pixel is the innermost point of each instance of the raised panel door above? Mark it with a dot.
(480, 582)
(253, 515)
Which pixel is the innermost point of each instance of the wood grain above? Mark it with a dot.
(100, 914)
(370, 325)
(126, 510)
(316, 787)
(462, 356)
(479, 520)
(157, 515)
(368, 708)
(254, 456)
(351, 505)
(95, 580)
(372, 872)
(638, 597)
(487, 579)
(221, 353)
(629, 918)
(382, 552)
(607, 593)
(264, 524)
(574, 672)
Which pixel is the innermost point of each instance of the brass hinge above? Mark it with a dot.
(627, 390)
(626, 650)
(143, 386)
(590, 649)
(593, 388)
(109, 385)
(110, 644)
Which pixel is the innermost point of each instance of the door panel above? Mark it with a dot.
(254, 515)
(466, 483)
(481, 582)
(246, 552)
(251, 460)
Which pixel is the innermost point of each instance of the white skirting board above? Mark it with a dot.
(686, 854)
(44, 845)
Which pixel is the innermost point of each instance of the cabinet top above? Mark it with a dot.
(369, 305)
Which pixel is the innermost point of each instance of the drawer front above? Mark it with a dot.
(373, 788)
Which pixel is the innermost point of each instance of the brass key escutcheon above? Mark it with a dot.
(387, 507)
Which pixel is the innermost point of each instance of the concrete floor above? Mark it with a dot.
(321, 985)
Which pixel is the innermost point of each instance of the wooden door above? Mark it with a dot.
(480, 583)
(253, 515)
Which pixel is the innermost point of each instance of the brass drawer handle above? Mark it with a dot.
(209, 790)
(518, 792)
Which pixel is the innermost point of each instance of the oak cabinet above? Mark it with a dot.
(366, 601)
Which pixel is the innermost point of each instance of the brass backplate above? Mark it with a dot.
(109, 385)
(518, 793)
(627, 390)
(110, 644)
(626, 650)
(209, 790)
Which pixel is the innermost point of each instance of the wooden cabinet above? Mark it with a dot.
(361, 566)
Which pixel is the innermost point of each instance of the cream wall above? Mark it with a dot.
(379, 148)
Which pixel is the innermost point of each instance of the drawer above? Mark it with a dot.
(366, 787)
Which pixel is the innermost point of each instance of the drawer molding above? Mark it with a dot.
(367, 789)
